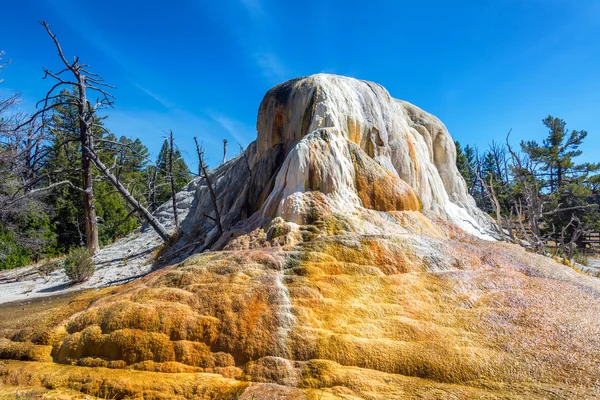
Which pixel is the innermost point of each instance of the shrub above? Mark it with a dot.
(49, 267)
(79, 265)
(580, 258)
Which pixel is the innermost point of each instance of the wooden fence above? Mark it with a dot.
(591, 241)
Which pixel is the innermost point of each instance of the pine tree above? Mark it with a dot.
(462, 163)
(468, 164)
(161, 184)
(130, 160)
(556, 154)
(568, 188)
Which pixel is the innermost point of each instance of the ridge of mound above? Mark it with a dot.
(348, 316)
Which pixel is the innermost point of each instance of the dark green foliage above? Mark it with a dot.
(556, 154)
(25, 237)
(130, 159)
(570, 189)
(160, 176)
(67, 217)
(53, 223)
(556, 195)
(79, 265)
(115, 219)
(12, 254)
(464, 162)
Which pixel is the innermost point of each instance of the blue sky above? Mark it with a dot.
(201, 68)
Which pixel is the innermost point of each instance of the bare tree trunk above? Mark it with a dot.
(511, 230)
(152, 190)
(496, 207)
(224, 151)
(156, 225)
(491, 194)
(203, 169)
(245, 160)
(87, 140)
(531, 194)
(578, 232)
(81, 241)
(199, 151)
(173, 191)
(29, 160)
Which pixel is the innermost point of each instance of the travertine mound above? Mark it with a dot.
(327, 145)
(363, 122)
(352, 266)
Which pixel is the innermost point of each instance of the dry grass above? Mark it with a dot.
(376, 317)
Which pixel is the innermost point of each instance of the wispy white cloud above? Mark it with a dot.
(254, 8)
(238, 130)
(271, 66)
(254, 30)
(153, 95)
(150, 126)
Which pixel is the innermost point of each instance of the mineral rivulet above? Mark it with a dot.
(353, 265)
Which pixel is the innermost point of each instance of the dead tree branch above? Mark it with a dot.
(156, 225)
(203, 171)
(172, 179)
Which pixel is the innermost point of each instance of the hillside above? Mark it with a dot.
(353, 265)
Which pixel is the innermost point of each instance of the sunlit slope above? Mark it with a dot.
(348, 267)
(363, 316)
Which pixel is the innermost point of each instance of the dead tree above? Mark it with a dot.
(491, 193)
(539, 206)
(200, 152)
(172, 179)
(151, 186)
(154, 223)
(524, 172)
(21, 152)
(224, 151)
(245, 159)
(22, 158)
(3, 64)
(203, 172)
(83, 81)
(488, 190)
(22, 185)
(8, 102)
